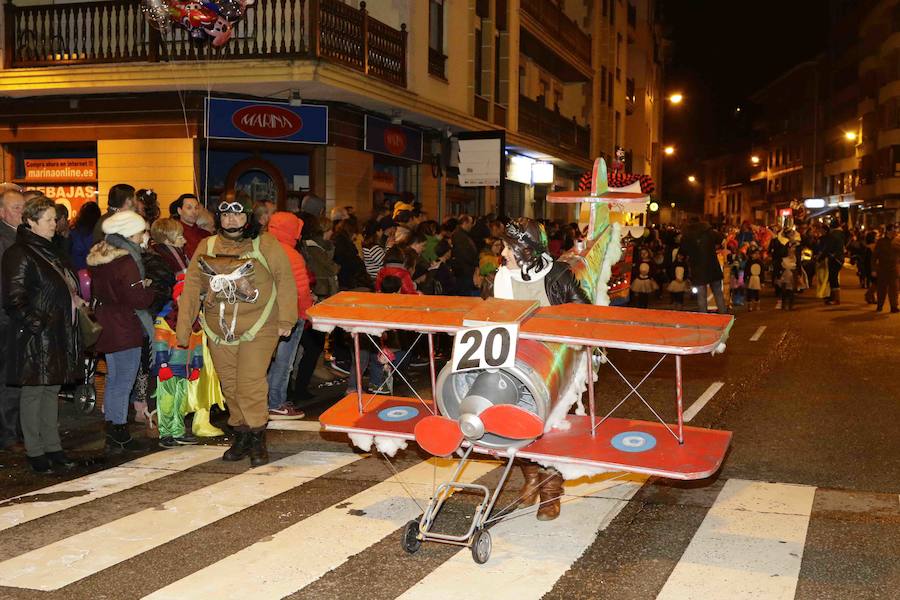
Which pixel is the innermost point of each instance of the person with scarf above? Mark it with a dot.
(44, 350)
(123, 293)
(249, 302)
(530, 273)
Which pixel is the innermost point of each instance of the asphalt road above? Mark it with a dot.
(806, 505)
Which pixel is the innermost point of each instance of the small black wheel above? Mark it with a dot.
(85, 397)
(481, 546)
(410, 541)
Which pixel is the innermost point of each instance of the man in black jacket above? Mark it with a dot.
(11, 204)
(885, 258)
(464, 257)
(700, 242)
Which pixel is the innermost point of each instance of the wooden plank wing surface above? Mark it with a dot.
(665, 331)
(371, 311)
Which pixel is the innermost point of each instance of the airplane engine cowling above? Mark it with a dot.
(533, 384)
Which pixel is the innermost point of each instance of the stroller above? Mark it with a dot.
(84, 392)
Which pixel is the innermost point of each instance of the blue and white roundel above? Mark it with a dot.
(398, 413)
(633, 441)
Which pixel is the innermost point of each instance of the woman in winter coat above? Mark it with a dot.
(45, 352)
(120, 285)
(286, 227)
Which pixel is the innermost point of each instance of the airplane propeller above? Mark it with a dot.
(441, 436)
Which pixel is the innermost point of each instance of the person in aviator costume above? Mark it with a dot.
(530, 273)
(242, 281)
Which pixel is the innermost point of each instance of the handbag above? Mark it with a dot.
(88, 328)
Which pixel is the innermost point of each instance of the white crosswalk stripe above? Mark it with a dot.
(82, 555)
(749, 544)
(527, 559)
(27, 507)
(328, 538)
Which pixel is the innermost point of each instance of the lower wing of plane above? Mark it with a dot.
(616, 444)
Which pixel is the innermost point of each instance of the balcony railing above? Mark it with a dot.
(559, 26)
(437, 63)
(115, 31)
(553, 128)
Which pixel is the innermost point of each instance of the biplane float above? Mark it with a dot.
(516, 371)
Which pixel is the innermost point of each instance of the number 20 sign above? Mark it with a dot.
(490, 347)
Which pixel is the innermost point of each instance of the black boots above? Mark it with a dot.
(240, 447)
(259, 454)
(117, 436)
(248, 443)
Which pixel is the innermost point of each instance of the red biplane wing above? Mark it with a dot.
(617, 444)
(663, 331)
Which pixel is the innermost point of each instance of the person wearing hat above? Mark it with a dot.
(250, 302)
(530, 273)
(123, 293)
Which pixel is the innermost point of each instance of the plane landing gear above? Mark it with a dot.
(481, 546)
(410, 542)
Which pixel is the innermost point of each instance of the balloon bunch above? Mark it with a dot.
(210, 21)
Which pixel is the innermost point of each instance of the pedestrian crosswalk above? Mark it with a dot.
(748, 543)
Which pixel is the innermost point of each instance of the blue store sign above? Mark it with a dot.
(384, 137)
(228, 119)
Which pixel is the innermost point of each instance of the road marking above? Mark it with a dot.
(750, 545)
(759, 331)
(705, 397)
(67, 561)
(295, 425)
(300, 554)
(28, 507)
(528, 557)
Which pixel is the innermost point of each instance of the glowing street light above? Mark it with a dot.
(676, 98)
(669, 150)
(754, 159)
(692, 179)
(850, 136)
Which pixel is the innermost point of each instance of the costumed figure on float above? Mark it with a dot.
(240, 284)
(530, 273)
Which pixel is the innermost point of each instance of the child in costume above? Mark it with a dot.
(643, 285)
(788, 281)
(530, 273)
(678, 285)
(753, 277)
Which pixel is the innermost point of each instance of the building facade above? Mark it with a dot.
(92, 84)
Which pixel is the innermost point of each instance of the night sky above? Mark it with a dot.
(721, 52)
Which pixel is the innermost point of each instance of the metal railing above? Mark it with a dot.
(115, 31)
(550, 126)
(558, 25)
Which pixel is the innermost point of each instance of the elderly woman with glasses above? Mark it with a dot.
(250, 302)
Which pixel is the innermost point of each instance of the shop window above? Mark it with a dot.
(65, 173)
(274, 176)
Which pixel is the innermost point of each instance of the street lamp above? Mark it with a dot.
(754, 159)
(692, 179)
(669, 150)
(850, 136)
(676, 98)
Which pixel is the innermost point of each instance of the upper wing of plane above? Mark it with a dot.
(663, 331)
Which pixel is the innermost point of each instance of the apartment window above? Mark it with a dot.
(619, 57)
(437, 60)
(618, 128)
(496, 68)
(609, 85)
(605, 8)
(612, 12)
(602, 84)
(523, 80)
(544, 86)
(478, 62)
(557, 97)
